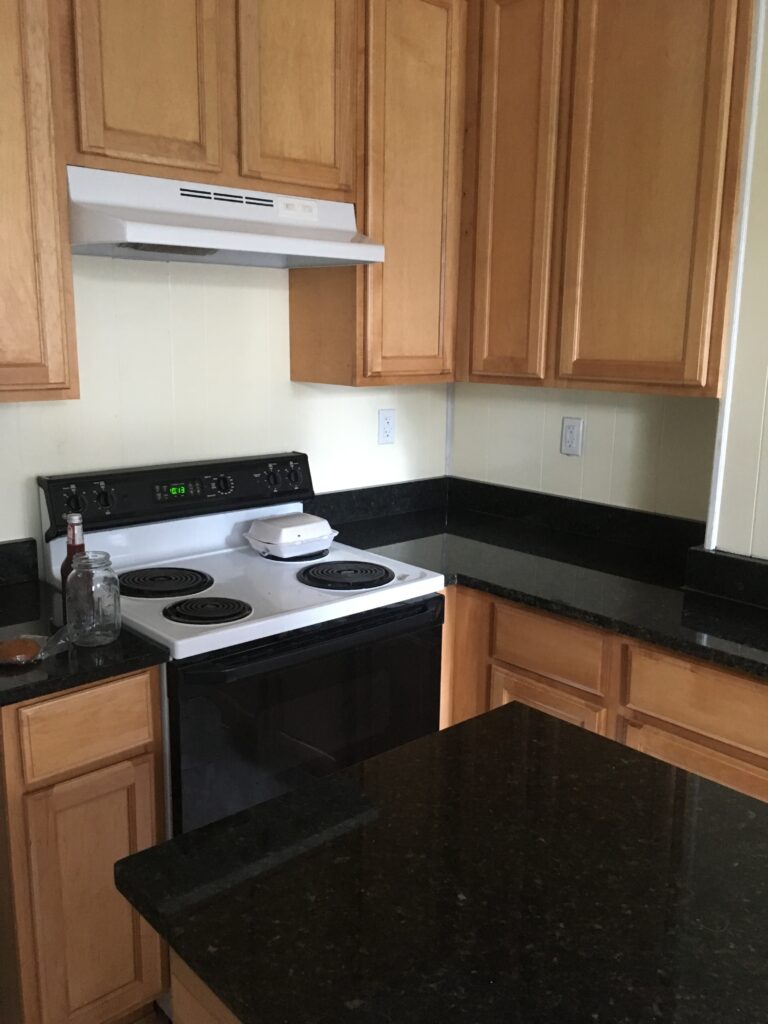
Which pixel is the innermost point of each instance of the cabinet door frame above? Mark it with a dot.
(508, 686)
(339, 176)
(691, 371)
(96, 137)
(533, 365)
(136, 778)
(419, 366)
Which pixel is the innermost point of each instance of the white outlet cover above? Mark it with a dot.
(387, 426)
(572, 436)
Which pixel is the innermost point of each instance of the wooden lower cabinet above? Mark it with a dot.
(509, 687)
(192, 1001)
(96, 964)
(683, 711)
(80, 953)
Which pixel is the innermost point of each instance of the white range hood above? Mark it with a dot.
(133, 216)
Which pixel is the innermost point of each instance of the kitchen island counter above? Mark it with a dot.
(512, 868)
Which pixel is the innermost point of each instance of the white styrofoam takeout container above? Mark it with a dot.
(290, 536)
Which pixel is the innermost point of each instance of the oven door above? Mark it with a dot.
(255, 721)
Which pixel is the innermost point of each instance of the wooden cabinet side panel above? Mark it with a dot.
(148, 81)
(298, 91)
(519, 108)
(97, 957)
(468, 629)
(193, 1002)
(647, 160)
(37, 355)
(416, 57)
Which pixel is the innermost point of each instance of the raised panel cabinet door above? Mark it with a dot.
(96, 957)
(519, 108)
(37, 356)
(416, 57)
(507, 687)
(298, 73)
(148, 80)
(649, 127)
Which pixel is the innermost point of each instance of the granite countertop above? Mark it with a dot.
(512, 868)
(603, 583)
(35, 608)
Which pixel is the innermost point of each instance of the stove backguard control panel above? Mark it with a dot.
(110, 498)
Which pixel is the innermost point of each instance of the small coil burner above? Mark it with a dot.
(207, 611)
(163, 581)
(345, 575)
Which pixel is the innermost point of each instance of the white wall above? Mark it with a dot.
(640, 451)
(179, 361)
(741, 499)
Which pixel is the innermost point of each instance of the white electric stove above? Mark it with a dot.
(193, 583)
(274, 678)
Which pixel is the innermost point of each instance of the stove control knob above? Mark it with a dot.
(294, 475)
(104, 500)
(75, 503)
(273, 478)
(224, 484)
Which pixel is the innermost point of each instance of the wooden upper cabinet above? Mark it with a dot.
(37, 354)
(298, 91)
(647, 157)
(148, 80)
(416, 54)
(519, 113)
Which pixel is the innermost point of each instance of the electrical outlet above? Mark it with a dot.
(572, 436)
(386, 426)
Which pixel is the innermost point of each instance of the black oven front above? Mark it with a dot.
(251, 722)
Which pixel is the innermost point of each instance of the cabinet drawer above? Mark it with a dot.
(508, 687)
(694, 757)
(79, 729)
(698, 698)
(549, 647)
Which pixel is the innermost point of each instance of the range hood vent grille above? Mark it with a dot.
(226, 197)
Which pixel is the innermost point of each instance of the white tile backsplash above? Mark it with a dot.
(640, 451)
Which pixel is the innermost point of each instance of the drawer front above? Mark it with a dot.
(508, 687)
(701, 760)
(74, 731)
(698, 698)
(549, 647)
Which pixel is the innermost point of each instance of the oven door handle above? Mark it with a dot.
(222, 673)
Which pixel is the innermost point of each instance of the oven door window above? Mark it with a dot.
(244, 736)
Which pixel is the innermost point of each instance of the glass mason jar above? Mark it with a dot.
(93, 600)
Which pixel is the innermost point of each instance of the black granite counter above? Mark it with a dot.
(607, 583)
(513, 868)
(34, 608)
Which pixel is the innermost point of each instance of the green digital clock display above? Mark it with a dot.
(177, 490)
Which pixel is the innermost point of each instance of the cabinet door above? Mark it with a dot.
(97, 958)
(699, 759)
(519, 104)
(507, 687)
(148, 80)
(416, 55)
(652, 84)
(37, 358)
(298, 88)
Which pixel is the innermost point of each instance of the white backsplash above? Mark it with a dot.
(640, 451)
(184, 362)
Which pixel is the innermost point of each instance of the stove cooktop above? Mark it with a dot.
(251, 597)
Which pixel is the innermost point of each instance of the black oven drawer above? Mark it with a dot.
(256, 721)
